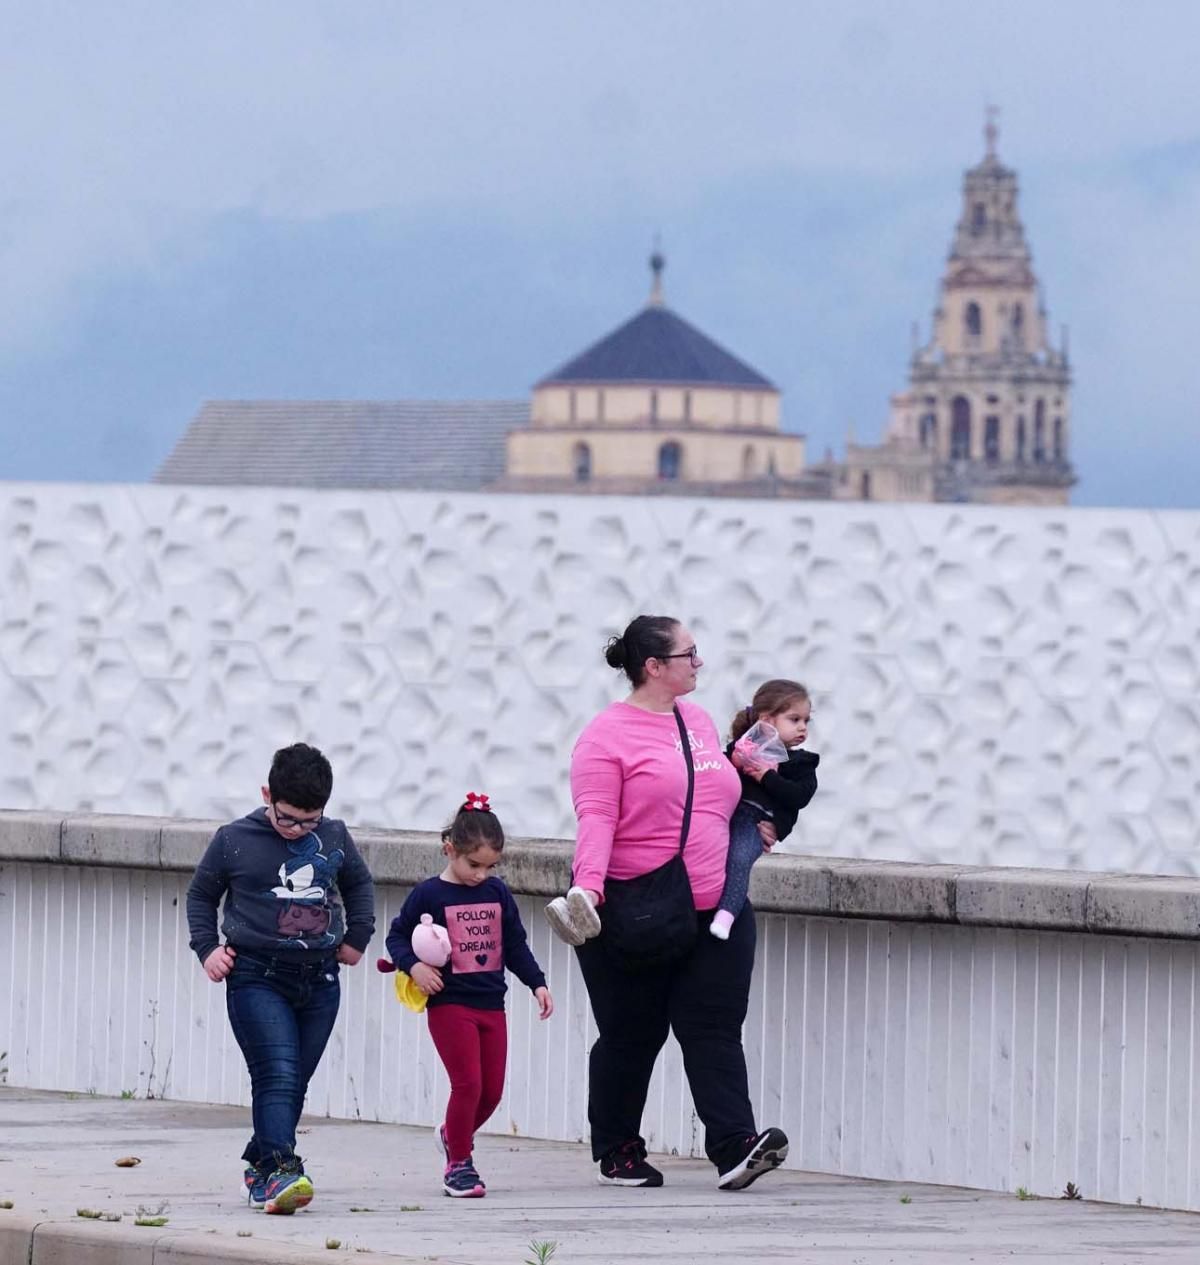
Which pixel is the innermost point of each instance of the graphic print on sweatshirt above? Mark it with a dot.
(304, 882)
(701, 759)
(476, 937)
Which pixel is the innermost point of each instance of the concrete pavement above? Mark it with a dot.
(379, 1195)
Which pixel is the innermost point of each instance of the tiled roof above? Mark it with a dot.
(434, 444)
(658, 346)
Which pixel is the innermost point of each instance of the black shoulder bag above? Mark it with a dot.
(650, 920)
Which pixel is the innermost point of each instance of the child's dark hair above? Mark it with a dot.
(771, 698)
(301, 776)
(647, 637)
(473, 826)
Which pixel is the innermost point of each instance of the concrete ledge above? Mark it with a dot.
(112, 840)
(1045, 900)
(892, 889)
(16, 1238)
(1144, 905)
(30, 836)
(29, 1241)
(831, 887)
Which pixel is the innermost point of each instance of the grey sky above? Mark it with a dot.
(413, 199)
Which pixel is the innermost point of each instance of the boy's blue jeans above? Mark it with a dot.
(745, 847)
(282, 1013)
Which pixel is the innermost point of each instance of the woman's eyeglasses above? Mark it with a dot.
(691, 654)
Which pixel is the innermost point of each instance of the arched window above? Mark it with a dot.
(928, 431)
(960, 429)
(973, 320)
(581, 462)
(991, 440)
(670, 460)
(1021, 440)
(1039, 431)
(749, 462)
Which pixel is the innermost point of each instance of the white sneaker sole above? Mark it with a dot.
(769, 1152)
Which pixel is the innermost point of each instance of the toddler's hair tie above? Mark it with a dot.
(476, 803)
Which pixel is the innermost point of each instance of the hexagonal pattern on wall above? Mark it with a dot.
(1007, 686)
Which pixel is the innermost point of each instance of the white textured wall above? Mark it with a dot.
(1003, 686)
(972, 1057)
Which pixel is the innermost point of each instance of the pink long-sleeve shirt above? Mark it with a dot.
(629, 784)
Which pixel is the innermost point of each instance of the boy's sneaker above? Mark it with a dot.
(287, 1190)
(626, 1166)
(573, 917)
(255, 1185)
(461, 1181)
(758, 1155)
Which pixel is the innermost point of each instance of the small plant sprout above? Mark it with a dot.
(1022, 1193)
(543, 1251)
(404, 1208)
(89, 1214)
(151, 1216)
(906, 1199)
(127, 1094)
(1071, 1192)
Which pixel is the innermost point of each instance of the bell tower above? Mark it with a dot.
(989, 395)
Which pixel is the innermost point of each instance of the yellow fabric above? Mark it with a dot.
(408, 994)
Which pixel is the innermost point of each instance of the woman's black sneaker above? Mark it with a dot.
(757, 1156)
(626, 1166)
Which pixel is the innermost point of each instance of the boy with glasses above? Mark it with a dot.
(299, 903)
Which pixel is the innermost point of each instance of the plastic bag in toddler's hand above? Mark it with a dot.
(761, 747)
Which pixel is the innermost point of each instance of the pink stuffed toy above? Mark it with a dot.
(430, 942)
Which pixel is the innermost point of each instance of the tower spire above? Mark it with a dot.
(657, 264)
(991, 129)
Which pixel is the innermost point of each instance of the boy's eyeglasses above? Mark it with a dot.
(286, 820)
(691, 653)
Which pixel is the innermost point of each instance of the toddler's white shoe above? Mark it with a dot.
(721, 923)
(583, 913)
(559, 918)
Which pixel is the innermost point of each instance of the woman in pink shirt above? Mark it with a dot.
(629, 782)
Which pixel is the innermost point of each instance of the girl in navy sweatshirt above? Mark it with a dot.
(466, 996)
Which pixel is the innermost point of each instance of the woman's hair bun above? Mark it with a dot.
(614, 652)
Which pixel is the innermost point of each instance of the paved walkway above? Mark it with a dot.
(378, 1191)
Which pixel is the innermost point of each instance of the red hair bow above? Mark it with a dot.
(477, 803)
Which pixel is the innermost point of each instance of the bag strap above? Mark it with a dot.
(687, 755)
